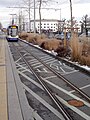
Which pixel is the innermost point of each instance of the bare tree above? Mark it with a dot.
(42, 2)
(28, 4)
(85, 20)
(74, 22)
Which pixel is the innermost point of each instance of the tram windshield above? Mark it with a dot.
(13, 32)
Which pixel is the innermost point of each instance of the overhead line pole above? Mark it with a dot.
(29, 17)
(71, 14)
(34, 18)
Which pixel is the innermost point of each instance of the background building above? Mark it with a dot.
(53, 25)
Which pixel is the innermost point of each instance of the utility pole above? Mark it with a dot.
(29, 17)
(71, 14)
(34, 18)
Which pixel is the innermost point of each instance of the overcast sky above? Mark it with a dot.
(80, 8)
(12, 2)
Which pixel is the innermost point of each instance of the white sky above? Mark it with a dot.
(80, 8)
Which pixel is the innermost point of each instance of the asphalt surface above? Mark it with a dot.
(63, 91)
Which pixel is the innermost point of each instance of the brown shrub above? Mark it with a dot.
(80, 50)
(85, 56)
(51, 44)
(23, 35)
(31, 37)
(85, 49)
(35, 38)
(84, 60)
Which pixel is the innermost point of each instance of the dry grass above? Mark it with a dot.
(74, 47)
(51, 44)
(32, 38)
(23, 35)
(84, 60)
(41, 40)
(80, 50)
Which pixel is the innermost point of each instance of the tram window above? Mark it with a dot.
(14, 32)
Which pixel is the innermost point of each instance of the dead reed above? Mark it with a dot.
(80, 47)
(80, 50)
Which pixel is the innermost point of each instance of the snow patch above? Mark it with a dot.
(86, 67)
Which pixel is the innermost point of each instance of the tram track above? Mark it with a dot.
(29, 60)
(66, 61)
(62, 77)
(47, 89)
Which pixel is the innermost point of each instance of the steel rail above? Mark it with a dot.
(59, 105)
(63, 78)
(87, 72)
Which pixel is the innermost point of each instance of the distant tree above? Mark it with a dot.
(74, 22)
(29, 5)
(85, 22)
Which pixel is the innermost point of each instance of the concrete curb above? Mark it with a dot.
(18, 106)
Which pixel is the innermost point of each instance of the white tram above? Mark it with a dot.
(12, 33)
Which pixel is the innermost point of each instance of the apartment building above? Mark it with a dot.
(46, 24)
